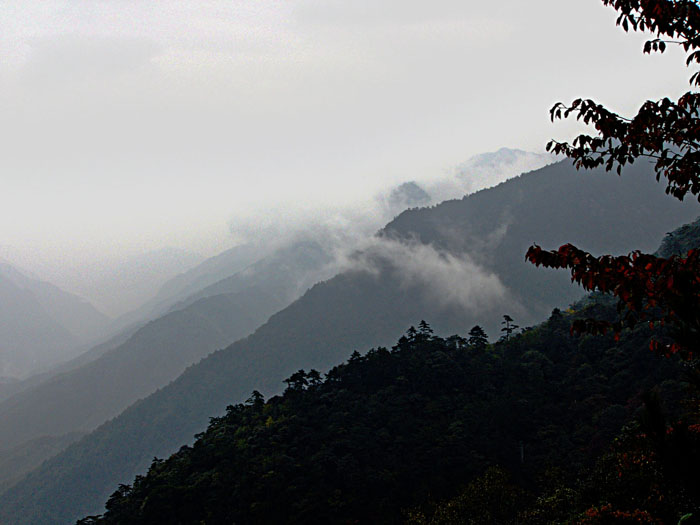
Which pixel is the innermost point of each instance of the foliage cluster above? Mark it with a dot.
(668, 133)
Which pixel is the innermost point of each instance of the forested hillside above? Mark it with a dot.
(384, 290)
(390, 431)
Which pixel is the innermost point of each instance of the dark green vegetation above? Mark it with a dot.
(393, 429)
(360, 309)
(680, 240)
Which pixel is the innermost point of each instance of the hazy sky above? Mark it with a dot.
(127, 126)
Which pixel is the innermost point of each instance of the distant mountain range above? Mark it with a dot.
(459, 263)
(40, 324)
(45, 406)
(123, 284)
(183, 285)
(485, 171)
(80, 395)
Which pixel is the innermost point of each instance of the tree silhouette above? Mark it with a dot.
(477, 338)
(661, 291)
(297, 381)
(425, 330)
(411, 334)
(509, 327)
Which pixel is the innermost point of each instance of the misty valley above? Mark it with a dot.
(239, 286)
(251, 320)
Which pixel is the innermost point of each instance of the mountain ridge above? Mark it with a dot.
(357, 309)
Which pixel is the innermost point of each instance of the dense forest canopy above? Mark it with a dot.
(387, 434)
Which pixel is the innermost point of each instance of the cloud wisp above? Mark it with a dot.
(444, 279)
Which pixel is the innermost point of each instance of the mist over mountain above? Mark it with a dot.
(462, 262)
(345, 229)
(66, 403)
(404, 196)
(484, 171)
(127, 284)
(202, 200)
(115, 284)
(551, 206)
(46, 406)
(137, 285)
(40, 324)
(188, 282)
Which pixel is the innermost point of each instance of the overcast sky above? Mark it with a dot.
(127, 126)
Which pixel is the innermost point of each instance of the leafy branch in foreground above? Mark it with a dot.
(668, 133)
(643, 283)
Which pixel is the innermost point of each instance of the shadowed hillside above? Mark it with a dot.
(476, 252)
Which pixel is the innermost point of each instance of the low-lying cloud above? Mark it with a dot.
(446, 279)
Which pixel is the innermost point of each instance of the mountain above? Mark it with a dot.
(388, 433)
(400, 198)
(681, 240)
(551, 206)
(290, 270)
(489, 169)
(81, 399)
(40, 324)
(122, 284)
(394, 429)
(83, 396)
(428, 263)
(184, 284)
(17, 461)
(485, 171)
(13, 387)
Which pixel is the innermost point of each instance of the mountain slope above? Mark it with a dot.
(72, 312)
(387, 288)
(40, 324)
(81, 399)
(485, 171)
(183, 285)
(596, 211)
(290, 270)
(388, 430)
(83, 396)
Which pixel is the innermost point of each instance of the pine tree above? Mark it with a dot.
(509, 327)
(478, 338)
(411, 334)
(425, 330)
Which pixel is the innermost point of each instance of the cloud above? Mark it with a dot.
(446, 279)
(395, 13)
(75, 59)
(348, 237)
